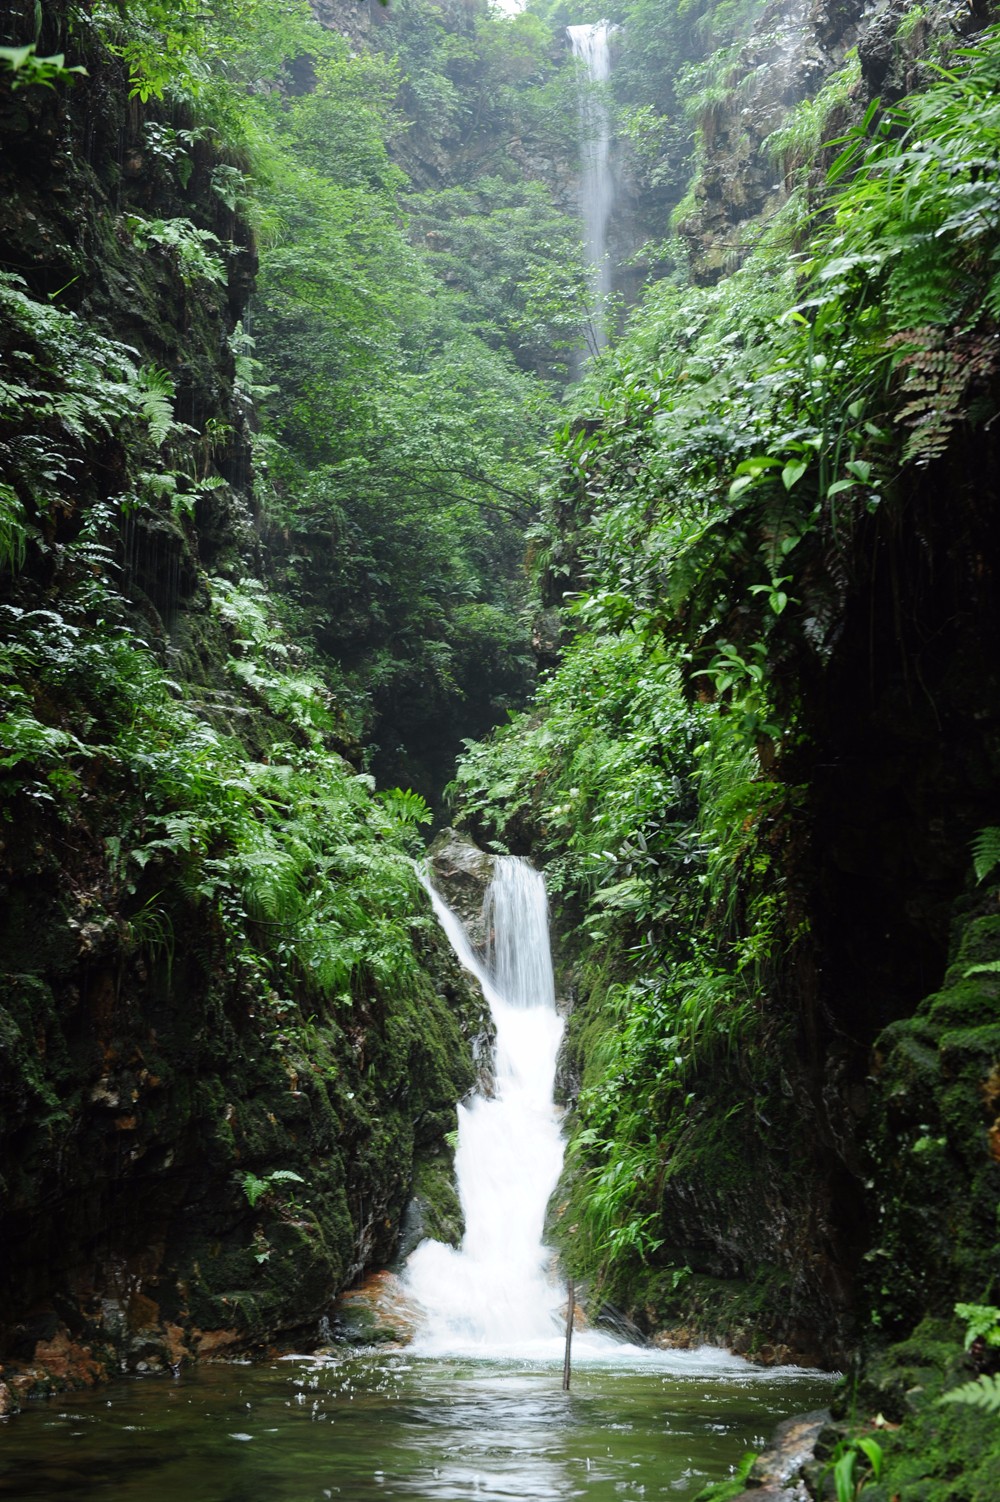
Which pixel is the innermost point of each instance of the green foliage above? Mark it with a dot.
(799, 139)
(847, 1485)
(187, 246)
(986, 852)
(982, 1322)
(732, 1488)
(675, 64)
(703, 501)
(397, 430)
(255, 1188)
(983, 1393)
(156, 396)
(646, 812)
(516, 261)
(28, 68)
(180, 50)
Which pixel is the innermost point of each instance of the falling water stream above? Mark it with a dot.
(495, 1294)
(590, 45)
(473, 1410)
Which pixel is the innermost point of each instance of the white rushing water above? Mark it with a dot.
(590, 45)
(497, 1295)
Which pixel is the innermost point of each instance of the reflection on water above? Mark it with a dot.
(396, 1426)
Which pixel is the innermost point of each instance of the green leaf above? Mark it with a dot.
(793, 472)
(874, 1453)
(843, 1476)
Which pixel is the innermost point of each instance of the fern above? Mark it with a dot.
(28, 68)
(982, 1320)
(191, 249)
(983, 1393)
(986, 852)
(12, 529)
(155, 391)
(271, 884)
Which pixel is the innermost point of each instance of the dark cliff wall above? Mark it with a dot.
(203, 1140)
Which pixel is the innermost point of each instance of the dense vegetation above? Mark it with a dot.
(733, 536)
(213, 943)
(287, 313)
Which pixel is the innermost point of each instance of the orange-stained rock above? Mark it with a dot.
(378, 1311)
(71, 1364)
(175, 1341)
(677, 1339)
(209, 1343)
(143, 1314)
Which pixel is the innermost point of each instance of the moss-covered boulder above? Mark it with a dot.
(935, 1139)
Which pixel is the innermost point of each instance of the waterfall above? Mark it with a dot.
(494, 1294)
(597, 184)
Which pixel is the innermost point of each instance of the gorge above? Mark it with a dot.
(325, 519)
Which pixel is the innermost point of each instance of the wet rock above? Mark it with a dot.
(434, 1210)
(777, 1470)
(377, 1312)
(66, 1361)
(461, 872)
(214, 1344)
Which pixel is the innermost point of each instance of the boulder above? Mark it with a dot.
(461, 873)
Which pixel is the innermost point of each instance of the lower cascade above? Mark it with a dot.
(495, 1295)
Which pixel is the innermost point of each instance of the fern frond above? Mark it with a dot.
(992, 299)
(983, 1393)
(13, 531)
(155, 390)
(986, 852)
(271, 883)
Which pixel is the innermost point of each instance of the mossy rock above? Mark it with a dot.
(935, 1143)
(940, 1452)
(434, 1211)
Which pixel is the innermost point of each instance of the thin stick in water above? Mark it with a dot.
(570, 1306)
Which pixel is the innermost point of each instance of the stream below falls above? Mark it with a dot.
(474, 1408)
(390, 1425)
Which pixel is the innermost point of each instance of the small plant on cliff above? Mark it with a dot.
(986, 852)
(982, 1324)
(191, 249)
(255, 1188)
(28, 68)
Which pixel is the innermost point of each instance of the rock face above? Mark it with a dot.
(461, 872)
(795, 46)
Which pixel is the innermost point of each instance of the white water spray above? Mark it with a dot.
(495, 1294)
(590, 46)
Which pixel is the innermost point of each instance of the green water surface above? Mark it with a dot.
(394, 1426)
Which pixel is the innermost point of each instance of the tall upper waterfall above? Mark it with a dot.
(494, 1294)
(597, 182)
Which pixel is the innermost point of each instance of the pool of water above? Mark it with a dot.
(392, 1425)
